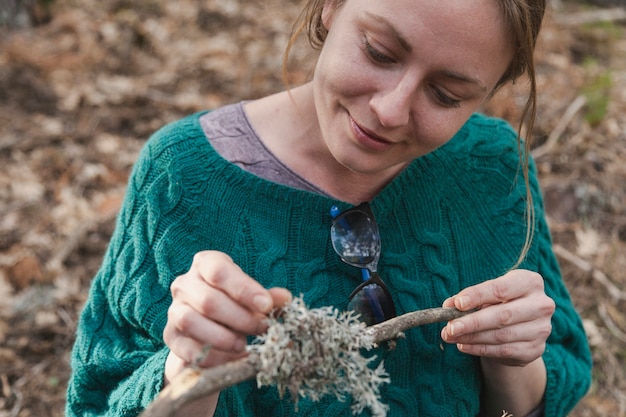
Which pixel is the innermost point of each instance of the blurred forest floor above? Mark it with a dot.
(81, 90)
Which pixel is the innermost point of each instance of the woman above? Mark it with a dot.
(229, 210)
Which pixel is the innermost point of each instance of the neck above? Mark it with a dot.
(287, 124)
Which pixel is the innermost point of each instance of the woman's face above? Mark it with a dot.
(398, 78)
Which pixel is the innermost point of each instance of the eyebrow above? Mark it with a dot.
(405, 45)
(464, 78)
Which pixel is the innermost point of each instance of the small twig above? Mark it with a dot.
(193, 384)
(55, 264)
(592, 16)
(390, 329)
(556, 134)
(595, 273)
(610, 324)
(73, 241)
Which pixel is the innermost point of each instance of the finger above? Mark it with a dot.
(190, 351)
(531, 331)
(448, 302)
(217, 306)
(219, 271)
(280, 297)
(503, 315)
(513, 285)
(512, 354)
(214, 357)
(187, 322)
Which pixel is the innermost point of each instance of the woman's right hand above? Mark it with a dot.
(215, 306)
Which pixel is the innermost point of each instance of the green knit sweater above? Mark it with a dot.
(453, 218)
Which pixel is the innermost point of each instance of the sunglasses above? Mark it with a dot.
(355, 237)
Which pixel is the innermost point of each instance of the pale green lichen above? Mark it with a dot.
(317, 352)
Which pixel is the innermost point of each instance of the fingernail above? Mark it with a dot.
(456, 328)
(262, 303)
(464, 301)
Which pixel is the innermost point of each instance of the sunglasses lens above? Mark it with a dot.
(372, 303)
(355, 238)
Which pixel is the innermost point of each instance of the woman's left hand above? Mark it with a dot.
(512, 321)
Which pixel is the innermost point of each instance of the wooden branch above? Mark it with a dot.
(192, 384)
(610, 324)
(586, 17)
(558, 131)
(595, 273)
(390, 329)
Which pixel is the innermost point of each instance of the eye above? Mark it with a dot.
(444, 99)
(375, 55)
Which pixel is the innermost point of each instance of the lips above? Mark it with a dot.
(368, 139)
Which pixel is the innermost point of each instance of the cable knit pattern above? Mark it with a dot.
(452, 219)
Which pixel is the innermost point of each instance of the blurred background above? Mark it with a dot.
(83, 83)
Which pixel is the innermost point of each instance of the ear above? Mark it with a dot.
(328, 12)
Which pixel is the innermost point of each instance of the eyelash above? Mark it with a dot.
(444, 99)
(375, 55)
(380, 58)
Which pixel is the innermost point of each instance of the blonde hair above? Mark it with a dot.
(522, 20)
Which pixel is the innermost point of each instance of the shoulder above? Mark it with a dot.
(485, 137)
(182, 133)
(485, 150)
(489, 124)
(178, 146)
(481, 171)
(180, 157)
(176, 156)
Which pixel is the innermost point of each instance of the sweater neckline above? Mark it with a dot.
(235, 175)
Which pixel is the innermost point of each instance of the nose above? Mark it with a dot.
(393, 105)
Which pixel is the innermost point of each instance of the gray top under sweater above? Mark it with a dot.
(229, 131)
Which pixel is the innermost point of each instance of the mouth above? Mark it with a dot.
(369, 139)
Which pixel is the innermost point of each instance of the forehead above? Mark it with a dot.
(442, 17)
(462, 33)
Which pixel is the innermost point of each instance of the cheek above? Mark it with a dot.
(436, 127)
(348, 75)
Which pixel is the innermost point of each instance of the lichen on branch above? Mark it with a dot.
(317, 352)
